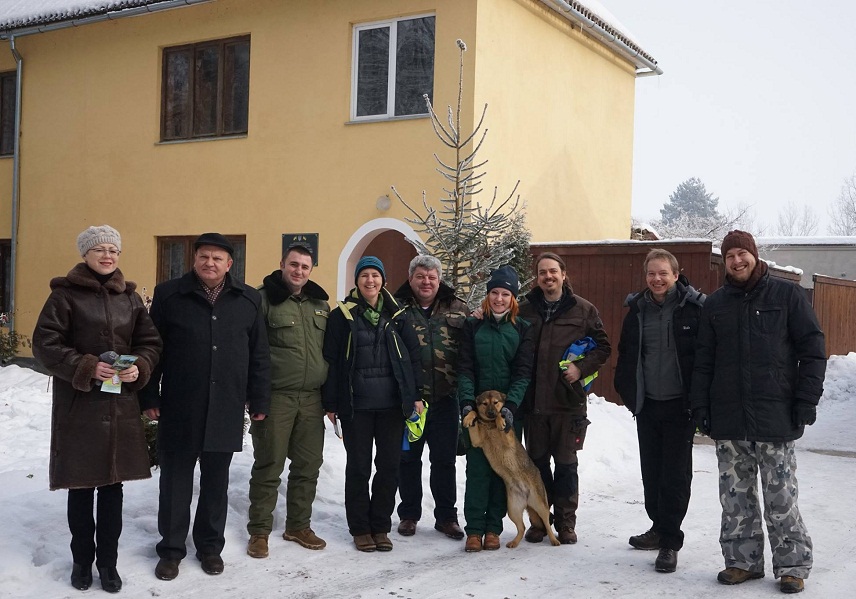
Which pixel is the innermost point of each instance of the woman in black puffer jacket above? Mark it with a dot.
(373, 384)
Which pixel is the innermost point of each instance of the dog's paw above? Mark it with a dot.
(500, 423)
(469, 419)
(512, 543)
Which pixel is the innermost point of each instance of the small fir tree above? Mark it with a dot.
(469, 239)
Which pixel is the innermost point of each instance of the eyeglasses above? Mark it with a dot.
(105, 252)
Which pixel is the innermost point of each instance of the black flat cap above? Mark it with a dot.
(214, 239)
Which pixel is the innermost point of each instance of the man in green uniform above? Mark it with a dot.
(295, 311)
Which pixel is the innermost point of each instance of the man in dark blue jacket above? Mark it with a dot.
(655, 363)
(215, 366)
(759, 369)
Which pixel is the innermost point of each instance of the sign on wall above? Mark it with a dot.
(307, 240)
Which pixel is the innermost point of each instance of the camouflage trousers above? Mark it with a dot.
(741, 537)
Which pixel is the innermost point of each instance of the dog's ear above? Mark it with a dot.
(502, 396)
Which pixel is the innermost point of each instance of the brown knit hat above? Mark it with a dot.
(739, 239)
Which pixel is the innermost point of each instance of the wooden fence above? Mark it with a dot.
(835, 305)
(605, 273)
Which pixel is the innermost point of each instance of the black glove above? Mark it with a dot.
(701, 417)
(468, 407)
(508, 416)
(804, 413)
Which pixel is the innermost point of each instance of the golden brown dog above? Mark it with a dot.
(523, 485)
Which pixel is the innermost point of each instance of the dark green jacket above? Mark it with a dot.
(295, 330)
(439, 339)
(495, 356)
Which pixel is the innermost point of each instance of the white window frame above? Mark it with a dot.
(390, 83)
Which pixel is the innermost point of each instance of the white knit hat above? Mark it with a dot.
(95, 235)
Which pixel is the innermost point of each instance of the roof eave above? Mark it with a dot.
(52, 22)
(606, 34)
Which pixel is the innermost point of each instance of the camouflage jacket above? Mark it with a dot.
(439, 337)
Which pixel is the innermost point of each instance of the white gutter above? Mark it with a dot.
(634, 55)
(11, 35)
(110, 16)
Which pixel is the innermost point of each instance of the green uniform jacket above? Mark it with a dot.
(439, 339)
(495, 355)
(295, 329)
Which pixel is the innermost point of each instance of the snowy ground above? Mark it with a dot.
(35, 560)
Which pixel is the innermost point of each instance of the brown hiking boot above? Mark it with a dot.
(474, 543)
(451, 529)
(535, 534)
(407, 528)
(647, 541)
(491, 541)
(382, 541)
(567, 536)
(737, 575)
(305, 537)
(791, 584)
(364, 543)
(258, 546)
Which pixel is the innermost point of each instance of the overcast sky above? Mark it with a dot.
(757, 99)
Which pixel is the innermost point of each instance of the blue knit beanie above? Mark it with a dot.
(506, 278)
(369, 262)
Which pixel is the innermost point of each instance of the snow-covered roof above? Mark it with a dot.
(612, 31)
(24, 14)
(20, 14)
(804, 241)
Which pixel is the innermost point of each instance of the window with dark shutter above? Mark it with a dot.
(7, 113)
(206, 89)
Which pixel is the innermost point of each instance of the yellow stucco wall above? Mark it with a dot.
(560, 113)
(91, 129)
(91, 155)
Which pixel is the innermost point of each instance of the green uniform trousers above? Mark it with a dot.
(485, 495)
(294, 429)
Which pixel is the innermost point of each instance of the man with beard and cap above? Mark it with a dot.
(295, 310)
(759, 367)
(215, 367)
(437, 316)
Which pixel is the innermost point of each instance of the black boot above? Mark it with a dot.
(110, 580)
(81, 576)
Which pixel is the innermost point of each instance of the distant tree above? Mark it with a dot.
(842, 213)
(690, 199)
(714, 227)
(794, 221)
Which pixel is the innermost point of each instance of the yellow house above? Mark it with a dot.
(263, 119)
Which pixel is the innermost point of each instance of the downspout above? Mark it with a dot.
(16, 170)
(631, 53)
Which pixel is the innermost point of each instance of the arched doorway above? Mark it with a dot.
(385, 238)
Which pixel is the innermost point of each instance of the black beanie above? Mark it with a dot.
(505, 277)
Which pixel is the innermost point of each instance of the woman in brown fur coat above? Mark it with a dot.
(97, 438)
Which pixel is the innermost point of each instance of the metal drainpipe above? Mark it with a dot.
(619, 45)
(16, 169)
